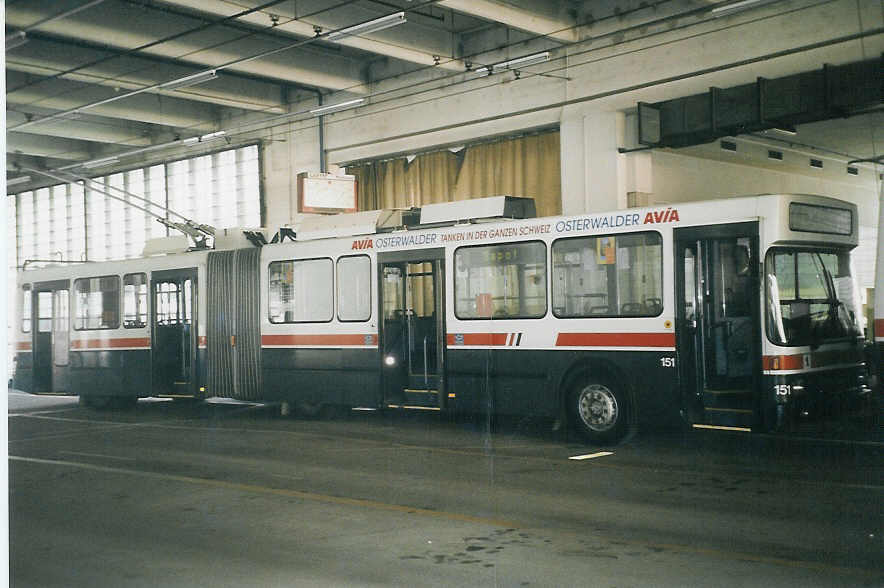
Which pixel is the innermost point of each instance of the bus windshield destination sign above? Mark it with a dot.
(812, 218)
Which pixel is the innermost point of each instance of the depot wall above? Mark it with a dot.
(586, 95)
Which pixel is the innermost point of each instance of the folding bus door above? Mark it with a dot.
(412, 328)
(718, 322)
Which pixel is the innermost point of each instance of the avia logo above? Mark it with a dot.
(363, 244)
(670, 215)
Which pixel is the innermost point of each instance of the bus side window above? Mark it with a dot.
(506, 280)
(26, 309)
(690, 293)
(301, 290)
(612, 275)
(354, 288)
(97, 303)
(135, 301)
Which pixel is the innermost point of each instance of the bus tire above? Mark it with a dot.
(598, 410)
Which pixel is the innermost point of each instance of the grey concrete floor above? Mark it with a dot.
(225, 494)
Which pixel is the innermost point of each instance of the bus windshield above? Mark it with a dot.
(811, 298)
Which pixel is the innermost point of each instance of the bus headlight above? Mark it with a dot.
(390, 360)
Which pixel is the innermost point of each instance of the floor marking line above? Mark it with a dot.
(35, 413)
(101, 455)
(591, 455)
(722, 428)
(339, 500)
(357, 502)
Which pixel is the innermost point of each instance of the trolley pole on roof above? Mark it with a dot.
(198, 232)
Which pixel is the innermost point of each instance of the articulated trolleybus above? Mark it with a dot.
(735, 313)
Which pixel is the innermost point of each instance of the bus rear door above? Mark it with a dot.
(718, 323)
(51, 336)
(174, 334)
(412, 329)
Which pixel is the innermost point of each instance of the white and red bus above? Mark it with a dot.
(735, 313)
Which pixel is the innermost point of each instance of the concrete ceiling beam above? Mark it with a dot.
(55, 147)
(154, 109)
(16, 161)
(91, 128)
(413, 42)
(531, 21)
(50, 58)
(124, 26)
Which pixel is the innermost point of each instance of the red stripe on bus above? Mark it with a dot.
(879, 327)
(782, 362)
(320, 340)
(615, 340)
(814, 360)
(110, 343)
(478, 338)
(23, 346)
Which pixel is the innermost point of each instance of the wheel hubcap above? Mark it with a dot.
(598, 407)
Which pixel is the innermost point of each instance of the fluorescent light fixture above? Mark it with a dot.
(371, 26)
(513, 63)
(335, 107)
(734, 7)
(785, 130)
(188, 81)
(18, 180)
(523, 61)
(101, 162)
(203, 138)
(16, 39)
(215, 135)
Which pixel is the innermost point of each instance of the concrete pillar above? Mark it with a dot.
(594, 175)
(287, 152)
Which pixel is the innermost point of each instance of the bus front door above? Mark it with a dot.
(51, 343)
(718, 323)
(173, 344)
(412, 330)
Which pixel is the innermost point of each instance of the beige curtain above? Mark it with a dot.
(398, 183)
(525, 166)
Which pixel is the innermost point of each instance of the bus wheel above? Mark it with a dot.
(598, 410)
